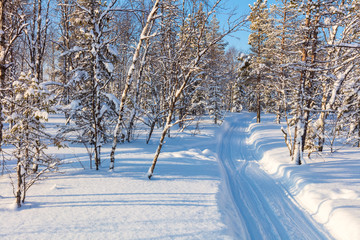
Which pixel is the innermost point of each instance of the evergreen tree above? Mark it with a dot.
(26, 133)
(90, 106)
(230, 71)
(64, 45)
(258, 40)
(215, 75)
(12, 25)
(241, 97)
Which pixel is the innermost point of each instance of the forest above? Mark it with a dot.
(110, 66)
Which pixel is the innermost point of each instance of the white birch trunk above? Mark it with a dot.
(144, 35)
(137, 92)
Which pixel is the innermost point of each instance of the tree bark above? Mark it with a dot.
(137, 92)
(302, 113)
(161, 142)
(258, 108)
(321, 122)
(152, 126)
(2, 66)
(19, 183)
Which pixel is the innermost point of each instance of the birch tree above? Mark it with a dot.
(145, 34)
(339, 29)
(189, 65)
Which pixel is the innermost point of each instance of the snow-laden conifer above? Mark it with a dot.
(89, 109)
(26, 113)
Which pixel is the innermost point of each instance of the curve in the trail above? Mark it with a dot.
(262, 209)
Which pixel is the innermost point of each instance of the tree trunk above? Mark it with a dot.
(131, 126)
(321, 122)
(144, 35)
(305, 127)
(175, 94)
(258, 103)
(2, 66)
(297, 152)
(137, 93)
(19, 183)
(278, 114)
(95, 106)
(38, 59)
(161, 142)
(302, 114)
(97, 122)
(24, 188)
(150, 132)
(258, 109)
(358, 143)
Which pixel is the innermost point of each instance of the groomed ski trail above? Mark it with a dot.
(254, 205)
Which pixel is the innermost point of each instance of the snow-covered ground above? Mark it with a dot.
(327, 186)
(180, 201)
(206, 186)
(263, 209)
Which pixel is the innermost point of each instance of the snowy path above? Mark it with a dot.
(260, 208)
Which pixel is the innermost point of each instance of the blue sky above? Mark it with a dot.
(242, 7)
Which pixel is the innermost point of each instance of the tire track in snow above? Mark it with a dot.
(260, 208)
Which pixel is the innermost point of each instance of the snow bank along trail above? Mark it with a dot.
(260, 208)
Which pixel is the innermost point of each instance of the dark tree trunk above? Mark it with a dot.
(258, 103)
(151, 131)
(19, 183)
(2, 66)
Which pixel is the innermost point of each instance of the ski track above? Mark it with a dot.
(261, 208)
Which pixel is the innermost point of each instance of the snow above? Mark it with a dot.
(327, 187)
(259, 207)
(230, 182)
(327, 21)
(113, 99)
(112, 50)
(29, 92)
(180, 202)
(42, 114)
(103, 110)
(18, 97)
(74, 105)
(72, 50)
(109, 67)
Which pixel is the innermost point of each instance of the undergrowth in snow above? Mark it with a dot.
(206, 186)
